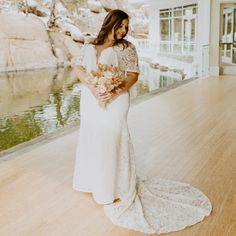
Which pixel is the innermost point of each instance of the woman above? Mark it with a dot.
(105, 163)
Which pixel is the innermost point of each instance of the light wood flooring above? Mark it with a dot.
(186, 134)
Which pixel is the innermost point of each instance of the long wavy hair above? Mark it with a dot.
(112, 20)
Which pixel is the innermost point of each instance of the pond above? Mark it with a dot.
(34, 103)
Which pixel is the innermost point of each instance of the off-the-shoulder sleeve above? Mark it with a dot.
(80, 60)
(129, 59)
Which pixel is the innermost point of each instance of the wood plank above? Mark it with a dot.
(185, 134)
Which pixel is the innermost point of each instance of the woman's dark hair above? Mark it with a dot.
(112, 20)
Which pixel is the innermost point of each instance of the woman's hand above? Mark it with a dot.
(102, 98)
(105, 97)
(111, 96)
(131, 79)
(94, 92)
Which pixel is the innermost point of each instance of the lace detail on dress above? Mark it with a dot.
(153, 205)
(160, 206)
(128, 58)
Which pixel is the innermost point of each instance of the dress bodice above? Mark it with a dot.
(125, 58)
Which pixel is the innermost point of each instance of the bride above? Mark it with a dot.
(105, 164)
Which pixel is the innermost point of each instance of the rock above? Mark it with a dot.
(139, 22)
(163, 68)
(115, 4)
(65, 48)
(32, 7)
(155, 65)
(20, 35)
(8, 6)
(90, 22)
(109, 4)
(95, 6)
(20, 26)
(62, 61)
(60, 9)
(71, 30)
(24, 43)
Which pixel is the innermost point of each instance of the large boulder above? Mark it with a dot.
(66, 49)
(95, 6)
(24, 43)
(70, 29)
(88, 21)
(139, 21)
(115, 4)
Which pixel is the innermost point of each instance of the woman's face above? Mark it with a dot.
(121, 31)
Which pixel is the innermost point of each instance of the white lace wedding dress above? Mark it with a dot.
(105, 164)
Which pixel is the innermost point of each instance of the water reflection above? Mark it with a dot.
(152, 79)
(39, 102)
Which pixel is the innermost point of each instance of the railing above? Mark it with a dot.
(178, 48)
(228, 52)
(142, 45)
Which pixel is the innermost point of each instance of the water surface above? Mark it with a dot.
(34, 103)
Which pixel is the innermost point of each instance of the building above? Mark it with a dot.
(200, 31)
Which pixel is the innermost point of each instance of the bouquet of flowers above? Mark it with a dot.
(106, 78)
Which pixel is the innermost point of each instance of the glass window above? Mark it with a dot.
(228, 50)
(177, 48)
(229, 23)
(193, 33)
(165, 14)
(164, 47)
(186, 30)
(177, 29)
(192, 47)
(186, 47)
(234, 25)
(178, 11)
(234, 55)
(190, 10)
(223, 24)
(164, 29)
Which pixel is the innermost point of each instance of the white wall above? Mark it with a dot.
(162, 4)
(154, 30)
(215, 38)
(203, 36)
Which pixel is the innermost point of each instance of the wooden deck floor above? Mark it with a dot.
(186, 134)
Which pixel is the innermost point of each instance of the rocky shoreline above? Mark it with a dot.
(31, 37)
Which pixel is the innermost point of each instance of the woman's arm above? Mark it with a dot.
(81, 74)
(131, 79)
(83, 77)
